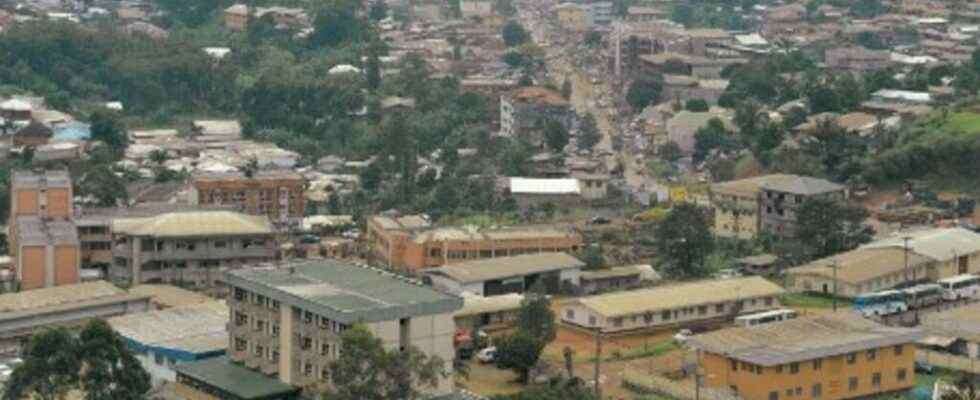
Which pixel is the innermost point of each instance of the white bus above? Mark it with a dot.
(923, 295)
(960, 287)
(765, 317)
(881, 303)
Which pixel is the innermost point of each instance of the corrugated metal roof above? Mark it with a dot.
(804, 185)
(642, 301)
(802, 339)
(194, 328)
(507, 267)
(475, 305)
(544, 186)
(186, 224)
(962, 322)
(232, 378)
(940, 244)
(53, 296)
(170, 296)
(861, 265)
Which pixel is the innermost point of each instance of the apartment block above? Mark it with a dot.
(412, 243)
(525, 111)
(278, 195)
(746, 207)
(287, 321)
(188, 247)
(826, 357)
(781, 199)
(43, 239)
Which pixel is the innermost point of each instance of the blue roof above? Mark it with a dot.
(72, 131)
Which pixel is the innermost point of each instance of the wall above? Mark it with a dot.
(680, 317)
(31, 261)
(58, 203)
(66, 260)
(832, 375)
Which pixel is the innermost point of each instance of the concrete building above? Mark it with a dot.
(46, 194)
(681, 305)
(514, 274)
(69, 305)
(276, 194)
(736, 204)
(831, 356)
(682, 127)
(163, 339)
(782, 198)
(43, 239)
(163, 297)
(219, 378)
(574, 17)
(488, 313)
(191, 247)
(525, 111)
(287, 322)
(411, 243)
(617, 278)
(857, 59)
(476, 8)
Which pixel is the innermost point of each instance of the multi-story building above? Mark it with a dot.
(780, 200)
(736, 205)
(525, 111)
(826, 357)
(411, 243)
(189, 247)
(287, 321)
(276, 194)
(43, 239)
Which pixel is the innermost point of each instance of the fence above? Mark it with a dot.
(946, 360)
(645, 383)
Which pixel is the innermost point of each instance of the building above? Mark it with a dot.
(69, 305)
(287, 322)
(681, 305)
(857, 59)
(163, 339)
(191, 247)
(525, 111)
(43, 239)
(564, 192)
(33, 135)
(556, 272)
(682, 127)
(955, 331)
(276, 194)
(236, 17)
(476, 8)
(488, 313)
(410, 242)
(163, 297)
(219, 379)
(574, 17)
(617, 278)
(682, 88)
(738, 204)
(762, 264)
(953, 251)
(600, 12)
(216, 130)
(780, 200)
(645, 14)
(831, 356)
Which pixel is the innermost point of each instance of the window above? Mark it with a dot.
(817, 364)
(773, 395)
(789, 392)
(702, 310)
(570, 314)
(158, 359)
(325, 374)
(768, 301)
(647, 318)
(275, 304)
(872, 354)
(275, 356)
(220, 244)
(617, 322)
(794, 368)
(852, 383)
(307, 343)
(665, 315)
(307, 369)
(260, 351)
(799, 391)
(734, 365)
(592, 320)
(816, 391)
(260, 325)
(851, 358)
(275, 330)
(240, 344)
(898, 350)
(779, 369)
(902, 374)
(307, 317)
(719, 308)
(876, 379)
(324, 349)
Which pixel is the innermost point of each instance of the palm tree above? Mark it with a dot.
(966, 387)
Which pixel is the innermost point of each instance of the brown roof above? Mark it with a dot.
(538, 94)
(35, 129)
(862, 265)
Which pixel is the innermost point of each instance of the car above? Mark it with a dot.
(922, 367)
(309, 238)
(599, 220)
(487, 355)
(682, 335)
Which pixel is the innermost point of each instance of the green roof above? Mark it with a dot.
(221, 373)
(345, 292)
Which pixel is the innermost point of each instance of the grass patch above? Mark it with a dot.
(812, 300)
(967, 123)
(645, 351)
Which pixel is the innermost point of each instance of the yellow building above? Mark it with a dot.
(827, 357)
(573, 17)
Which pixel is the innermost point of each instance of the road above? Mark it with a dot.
(560, 65)
(912, 317)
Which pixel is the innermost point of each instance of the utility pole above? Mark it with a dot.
(697, 384)
(905, 248)
(598, 360)
(834, 266)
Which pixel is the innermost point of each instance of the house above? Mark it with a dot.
(682, 305)
(830, 356)
(412, 243)
(476, 8)
(574, 17)
(58, 151)
(277, 194)
(220, 378)
(857, 59)
(681, 88)
(616, 278)
(163, 339)
(16, 110)
(645, 14)
(955, 331)
(33, 135)
(762, 264)
(236, 17)
(528, 192)
(286, 322)
(43, 238)
(488, 313)
(188, 247)
(682, 127)
(954, 251)
(525, 111)
(216, 130)
(736, 205)
(555, 272)
(782, 198)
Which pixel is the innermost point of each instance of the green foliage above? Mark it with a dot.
(107, 127)
(708, 14)
(555, 135)
(671, 152)
(683, 241)
(102, 183)
(566, 89)
(867, 9)
(713, 136)
(593, 38)
(519, 352)
(505, 7)
(365, 370)
(643, 92)
(189, 13)
(588, 135)
(696, 105)
(335, 26)
(378, 10)
(870, 40)
(514, 34)
(592, 256)
(826, 227)
(536, 318)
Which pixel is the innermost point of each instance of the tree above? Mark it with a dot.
(683, 241)
(519, 352)
(722, 170)
(568, 353)
(589, 134)
(334, 26)
(372, 70)
(566, 89)
(671, 151)
(966, 387)
(593, 38)
(696, 105)
(50, 367)
(536, 318)
(827, 227)
(592, 256)
(555, 135)
(682, 13)
(378, 11)
(107, 188)
(159, 156)
(643, 92)
(107, 127)
(365, 370)
(867, 9)
(514, 34)
(713, 136)
(505, 7)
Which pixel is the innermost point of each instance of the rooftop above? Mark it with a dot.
(803, 185)
(169, 295)
(802, 339)
(476, 305)
(556, 186)
(749, 187)
(222, 373)
(645, 271)
(35, 231)
(40, 179)
(407, 222)
(508, 233)
(681, 295)
(195, 329)
(65, 295)
(960, 322)
(861, 265)
(941, 244)
(239, 176)
(345, 292)
(201, 223)
(507, 267)
(537, 94)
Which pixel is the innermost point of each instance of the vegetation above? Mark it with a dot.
(589, 134)
(643, 92)
(683, 241)
(535, 328)
(514, 34)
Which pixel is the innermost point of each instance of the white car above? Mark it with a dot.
(487, 355)
(682, 335)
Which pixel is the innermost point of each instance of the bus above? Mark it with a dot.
(881, 303)
(923, 295)
(960, 287)
(765, 317)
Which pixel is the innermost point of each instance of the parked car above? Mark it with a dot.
(487, 355)
(682, 335)
(599, 220)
